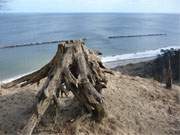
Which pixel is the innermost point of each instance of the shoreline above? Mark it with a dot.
(117, 63)
(15, 77)
(110, 65)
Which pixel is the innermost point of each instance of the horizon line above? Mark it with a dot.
(89, 12)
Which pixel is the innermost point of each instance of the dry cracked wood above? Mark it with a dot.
(74, 68)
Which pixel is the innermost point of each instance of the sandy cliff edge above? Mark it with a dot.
(134, 106)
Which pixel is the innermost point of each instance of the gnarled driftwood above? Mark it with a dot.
(74, 68)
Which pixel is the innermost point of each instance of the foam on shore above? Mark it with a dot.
(138, 55)
(15, 77)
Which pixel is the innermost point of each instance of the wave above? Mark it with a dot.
(145, 54)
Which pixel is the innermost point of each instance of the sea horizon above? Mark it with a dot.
(92, 12)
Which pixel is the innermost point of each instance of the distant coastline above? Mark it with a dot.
(117, 60)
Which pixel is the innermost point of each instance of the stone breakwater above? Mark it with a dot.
(143, 35)
(30, 44)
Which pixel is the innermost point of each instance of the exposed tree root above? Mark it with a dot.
(74, 68)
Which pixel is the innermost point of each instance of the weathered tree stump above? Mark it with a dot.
(74, 68)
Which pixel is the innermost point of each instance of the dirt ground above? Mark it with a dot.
(135, 106)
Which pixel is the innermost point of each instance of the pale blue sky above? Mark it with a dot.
(158, 6)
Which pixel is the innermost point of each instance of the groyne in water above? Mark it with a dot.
(36, 44)
(30, 44)
(143, 35)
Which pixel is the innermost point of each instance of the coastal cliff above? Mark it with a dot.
(135, 106)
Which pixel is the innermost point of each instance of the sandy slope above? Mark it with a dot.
(134, 106)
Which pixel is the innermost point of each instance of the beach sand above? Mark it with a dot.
(134, 105)
(117, 63)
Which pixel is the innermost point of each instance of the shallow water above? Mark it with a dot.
(96, 28)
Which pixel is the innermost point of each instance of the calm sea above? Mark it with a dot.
(96, 28)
